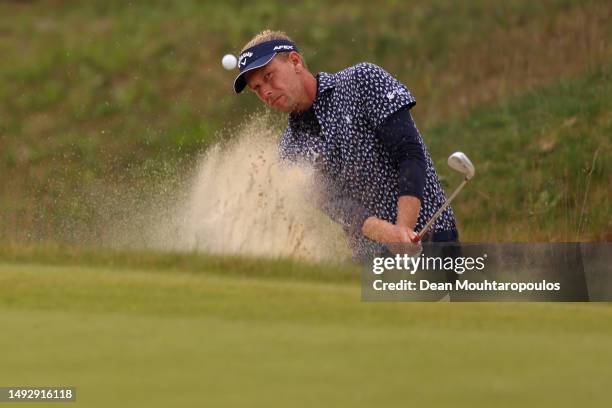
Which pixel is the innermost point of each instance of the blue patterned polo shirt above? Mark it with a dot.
(339, 138)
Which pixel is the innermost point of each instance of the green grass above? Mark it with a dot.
(159, 337)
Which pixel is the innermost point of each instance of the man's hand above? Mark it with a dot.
(398, 239)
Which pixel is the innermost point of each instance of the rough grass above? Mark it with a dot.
(542, 161)
(102, 94)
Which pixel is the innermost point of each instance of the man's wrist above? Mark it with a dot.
(369, 224)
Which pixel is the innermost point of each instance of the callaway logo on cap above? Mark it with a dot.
(242, 60)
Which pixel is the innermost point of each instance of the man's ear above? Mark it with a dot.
(296, 61)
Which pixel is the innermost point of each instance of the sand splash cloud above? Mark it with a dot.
(241, 200)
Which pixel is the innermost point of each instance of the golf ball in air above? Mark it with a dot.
(229, 61)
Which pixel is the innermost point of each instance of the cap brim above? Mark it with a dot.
(240, 82)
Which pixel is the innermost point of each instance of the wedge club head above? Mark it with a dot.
(460, 162)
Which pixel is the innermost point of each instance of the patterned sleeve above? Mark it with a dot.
(286, 150)
(381, 94)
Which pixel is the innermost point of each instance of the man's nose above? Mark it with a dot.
(268, 95)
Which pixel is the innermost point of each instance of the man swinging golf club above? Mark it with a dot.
(374, 173)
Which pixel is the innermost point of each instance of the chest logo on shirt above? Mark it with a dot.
(391, 95)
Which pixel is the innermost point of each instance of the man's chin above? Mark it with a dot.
(282, 109)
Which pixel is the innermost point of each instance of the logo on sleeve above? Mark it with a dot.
(397, 91)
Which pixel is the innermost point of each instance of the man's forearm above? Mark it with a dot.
(382, 231)
(408, 208)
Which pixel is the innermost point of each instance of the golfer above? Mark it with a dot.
(374, 174)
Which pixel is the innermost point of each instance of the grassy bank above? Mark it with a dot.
(543, 163)
(107, 96)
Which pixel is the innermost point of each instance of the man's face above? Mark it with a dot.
(278, 84)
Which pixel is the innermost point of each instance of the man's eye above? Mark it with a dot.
(268, 75)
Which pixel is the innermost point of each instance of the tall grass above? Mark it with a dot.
(543, 163)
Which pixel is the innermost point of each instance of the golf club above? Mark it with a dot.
(460, 162)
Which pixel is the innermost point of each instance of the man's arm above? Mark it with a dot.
(401, 139)
(408, 208)
(384, 232)
(386, 102)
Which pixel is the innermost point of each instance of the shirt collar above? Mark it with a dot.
(326, 81)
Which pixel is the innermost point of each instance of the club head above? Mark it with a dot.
(460, 162)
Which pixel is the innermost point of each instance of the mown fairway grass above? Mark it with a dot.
(153, 335)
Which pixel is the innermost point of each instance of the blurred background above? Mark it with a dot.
(113, 102)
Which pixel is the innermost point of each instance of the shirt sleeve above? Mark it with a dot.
(381, 94)
(401, 138)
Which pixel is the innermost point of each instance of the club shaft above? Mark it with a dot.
(440, 210)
